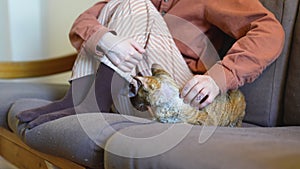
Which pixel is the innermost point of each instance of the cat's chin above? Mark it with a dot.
(138, 104)
(171, 120)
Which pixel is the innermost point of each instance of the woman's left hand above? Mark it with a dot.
(200, 91)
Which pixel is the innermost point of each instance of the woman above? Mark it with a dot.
(184, 36)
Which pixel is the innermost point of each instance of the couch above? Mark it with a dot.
(269, 138)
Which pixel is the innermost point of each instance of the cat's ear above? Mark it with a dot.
(147, 82)
(157, 70)
(142, 81)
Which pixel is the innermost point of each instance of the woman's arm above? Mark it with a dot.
(87, 29)
(88, 36)
(87, 26)
(260, 40)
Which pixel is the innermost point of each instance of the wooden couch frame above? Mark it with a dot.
(11, 147)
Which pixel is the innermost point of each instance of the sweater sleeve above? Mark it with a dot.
(86, 30)
(259, 35)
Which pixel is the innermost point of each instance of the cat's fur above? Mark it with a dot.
(160, 93)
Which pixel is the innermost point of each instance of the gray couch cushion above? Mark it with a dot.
(265, 95)
(292, 95)
(227, 148)
(79, 138)
(10, 92)
(83, 137)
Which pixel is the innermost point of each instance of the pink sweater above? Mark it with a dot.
(259, 36)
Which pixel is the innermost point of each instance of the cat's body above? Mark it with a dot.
(161, 93)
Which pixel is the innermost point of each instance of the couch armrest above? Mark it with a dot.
(37, 68)
(29, 69)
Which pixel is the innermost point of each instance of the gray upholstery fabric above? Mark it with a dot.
(79, 138)
(265, 95)
(292, 95)
(10, 92)
(82, 138)
(227, 148)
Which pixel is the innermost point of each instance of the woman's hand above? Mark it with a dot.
(122, 52)
(200, 91)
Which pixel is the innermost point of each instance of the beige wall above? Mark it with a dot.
(38, 29)
(34, 29)
(4, 29)
(60, 15)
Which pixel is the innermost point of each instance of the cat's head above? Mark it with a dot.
(148, 86)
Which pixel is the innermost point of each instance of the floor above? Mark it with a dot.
(5, 164)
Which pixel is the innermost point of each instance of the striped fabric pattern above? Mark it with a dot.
(139, 20)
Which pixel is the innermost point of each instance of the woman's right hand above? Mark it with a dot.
(122, 52)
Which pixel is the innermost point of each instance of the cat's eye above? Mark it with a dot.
(145, 90)
(152, 86)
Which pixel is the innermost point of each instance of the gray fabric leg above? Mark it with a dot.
(21, 105)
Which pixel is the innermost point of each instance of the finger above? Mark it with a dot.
(114, 59)
(210, 97)
(137, 56)
(200, 98)
(131, 59)
(193, 93)
(129, 65)
(188, 86)
(137, 46)
(134, 54)
(207, 101)
(124, 68)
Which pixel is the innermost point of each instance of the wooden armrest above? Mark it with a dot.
(26, 69)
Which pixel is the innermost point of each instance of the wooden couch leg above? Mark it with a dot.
(19, 154)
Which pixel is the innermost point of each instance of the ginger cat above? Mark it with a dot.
(160, 93)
